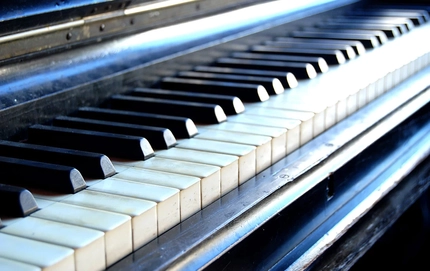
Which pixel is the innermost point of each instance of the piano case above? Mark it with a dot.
(312, 119)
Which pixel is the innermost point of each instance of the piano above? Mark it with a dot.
(218, 135)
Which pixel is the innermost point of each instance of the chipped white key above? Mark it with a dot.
(293, 127)
(306, 119)
(246, 153)
(189, 186)
(228, 163)
(278, 135)
(46, 256)
(210, 178)
(116, 227)
(88, 244)
(263, 144)
(143, 213)
(7, 265)
(167, 198)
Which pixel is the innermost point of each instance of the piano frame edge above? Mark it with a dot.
(301, 175)
(366, 232)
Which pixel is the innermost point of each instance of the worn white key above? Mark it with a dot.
(370, 75)
(46, 256)
(116, 227)
(167, 198)
(293, 127)
(143, 213)
(229, 164)
(278, 135)
(323, 116)
(210, 177)
(263, 144)
(189, 186)
(88, 244)
(7, 265)
(306, 119)
(246, 153)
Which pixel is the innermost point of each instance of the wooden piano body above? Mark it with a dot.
(345, 175)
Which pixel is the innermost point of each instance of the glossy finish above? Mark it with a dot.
(180, 126)
(16, 201)
(333, 57)
(288, 79)
(159, 138)
(300, 70)
(319, 63)
(246, 92)
(27, 173)
(131, 147)
(230, 104)
(90, 164)
(199, 112)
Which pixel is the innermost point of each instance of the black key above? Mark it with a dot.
(300, 70)
(318, 62)
(121, 146)
(272, 85)
(368, 41)
(347, 51)
(379, 25)
(380, 35)
(90, 164)
(26, 173)
(424, 12)
(391, 31)
(358, 47)
(406, 23)
(333, 57)
(159, 138)
(287, 78)
(16, 201)
(245, 92)
(416, 17)
(200, 112)
(231, 105)
(181, 127)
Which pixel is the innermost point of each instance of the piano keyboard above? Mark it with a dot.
(165, 175)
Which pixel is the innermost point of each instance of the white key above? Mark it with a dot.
(352, 103)
(263, 144)
(46, 256)
(143, 213)
(88, 244)
(292, 126)
(306, 119)
(246, 153)
(322, 114)
(116, 227)
(367, 76)
(229, 164)
(189, 186)
(278, 135)
(167, 198)
(210, 177)
(7, 265)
